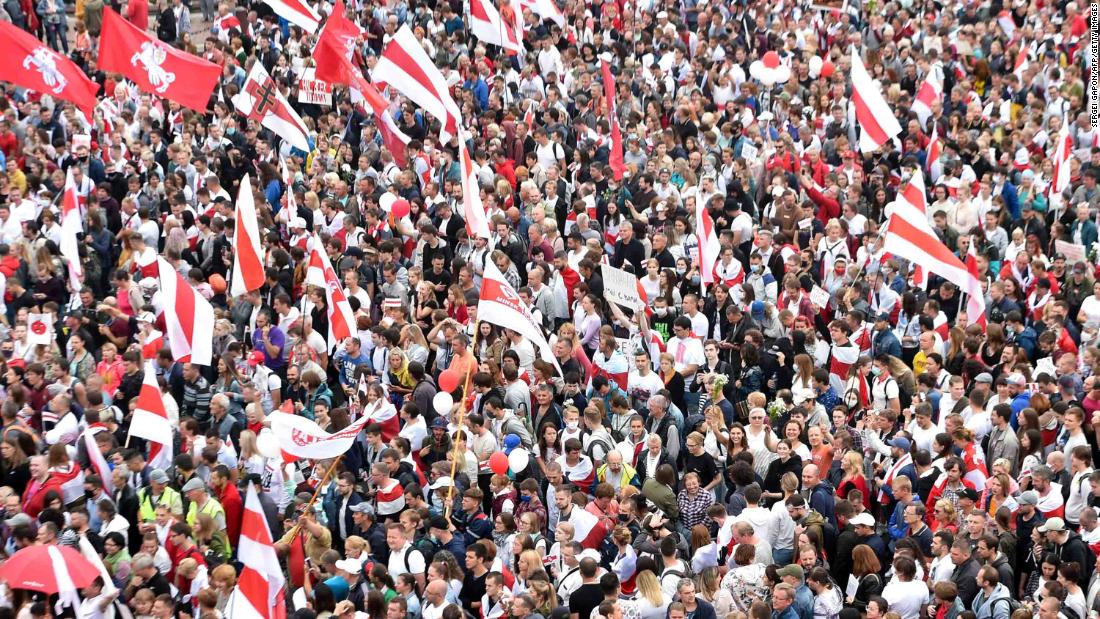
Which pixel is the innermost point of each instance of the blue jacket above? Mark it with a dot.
(886, 342)
(1019, 403)
(803, 602)
(703, 609)
(896, 525)
(1012, 199)
(823, 502)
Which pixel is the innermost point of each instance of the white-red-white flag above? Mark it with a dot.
(261, 101)
(546, 9)
(500, 305)
(473, 210)
(908, 234)
(188, 316)
(95, 456)
(222, 25)
(935, 150)
(406, 67)
(1007, 24)
(341, 320)
(150, 420)
(297, 12)
(709, 247)
(615, 157)
(301, 438)
(487, 25)
(876, 120)
(1020, 65)
(931, 90)
(72, 225)
(1063, 151)
(248, 264)
(260, 591)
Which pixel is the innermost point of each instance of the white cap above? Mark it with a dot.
(442, 482)
(350, 566)
(864, 519)
(298, 222)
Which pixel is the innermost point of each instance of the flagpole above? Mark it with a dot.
(317, 492)
(461, 417)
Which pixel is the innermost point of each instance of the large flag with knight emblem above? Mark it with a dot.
(31, 64)
(155, 66)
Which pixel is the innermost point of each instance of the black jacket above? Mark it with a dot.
(964, 577)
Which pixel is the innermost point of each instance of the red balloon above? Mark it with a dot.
(401, 208)
(827, 68)
(498, 462)
(448, 381)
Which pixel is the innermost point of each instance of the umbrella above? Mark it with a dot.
(49, 569)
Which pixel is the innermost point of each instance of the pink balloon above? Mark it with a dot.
(401, 208)
(498, 462)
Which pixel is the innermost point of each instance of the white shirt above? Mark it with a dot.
(761, 519)
(396, 563)
(416, 432)
(906, 598)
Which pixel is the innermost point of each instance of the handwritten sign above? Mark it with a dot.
(621, 288)
(312, 90)
(819, 297)
(1073, 252)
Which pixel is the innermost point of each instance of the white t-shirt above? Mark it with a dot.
(690, 354)
(416, 433)
(408, 560)
(1091, 308)
(642, 387)
(906, 598)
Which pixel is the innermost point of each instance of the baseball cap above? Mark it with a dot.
(884, 317)
(511, 441)
(350, 566)
(193, 484)
(1029, 497)
(440, 422)
(1016, 379)
(863, 519)
(256, 357)
(969, 493)
(793, 569)
(1053, 524)
(757, 309)
(442, 482)
(438, 522)
(363, 507)
(901, 443)
(146, 317)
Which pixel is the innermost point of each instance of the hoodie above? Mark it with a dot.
(822, 501)
(996, 605)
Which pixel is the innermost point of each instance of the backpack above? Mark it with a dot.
(1014, 605)
(602, 442)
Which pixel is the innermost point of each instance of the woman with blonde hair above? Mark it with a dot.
(944, 516)
(652, 601)
(415, 345)
(212, 541)
(250, 461)
(708, 584)
(854, 479)
(223, 580)
(527, 564)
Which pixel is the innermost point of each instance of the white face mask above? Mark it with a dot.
(572, 425)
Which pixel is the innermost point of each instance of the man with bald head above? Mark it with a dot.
(818, 492)
(435, 599)
(617, 473)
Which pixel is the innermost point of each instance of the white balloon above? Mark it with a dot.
(519, 459)
(815, 66)
(267, 444)
(386, 201)
(443, 403)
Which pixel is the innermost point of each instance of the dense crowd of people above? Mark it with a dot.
(812, 432)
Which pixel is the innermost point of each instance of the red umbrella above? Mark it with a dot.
(49, 569)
